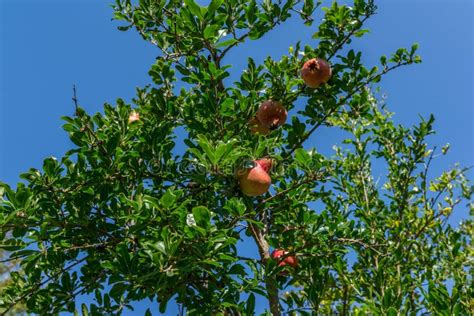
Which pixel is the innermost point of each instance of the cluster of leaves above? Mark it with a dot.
(124, 218)
(7, 266)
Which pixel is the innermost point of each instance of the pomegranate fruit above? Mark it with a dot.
(266, 164)
(289, 260)
(271, 114)
(255, 180)
(315, 72)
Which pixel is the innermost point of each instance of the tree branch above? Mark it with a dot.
(74, 99)
(319, 176)
(349, 35)
(341, 102)
(270, 280)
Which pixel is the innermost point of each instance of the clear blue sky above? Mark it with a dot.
(47, 46)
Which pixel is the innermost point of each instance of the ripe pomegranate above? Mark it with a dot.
(271, 114)
(315, 72)
(257, 128)
(289, 260)
(266, 164)
(134, 116)
(255, 180)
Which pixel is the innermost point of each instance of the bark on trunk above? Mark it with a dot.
(270, 281)
(273, 299)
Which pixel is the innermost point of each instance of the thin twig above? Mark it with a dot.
(319, 176)
(349, 35)
(248, 259)
(425, 175)
(241, 38)
(359, 242)
(74, 99)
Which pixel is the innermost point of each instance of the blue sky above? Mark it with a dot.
(47, 46)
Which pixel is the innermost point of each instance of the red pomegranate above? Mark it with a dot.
(271, 114)
(315, 72)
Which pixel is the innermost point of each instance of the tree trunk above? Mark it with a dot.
(270, 281)
(272, 290)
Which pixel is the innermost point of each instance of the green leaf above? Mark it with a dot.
(183, 70)
(206, 147)
(117, 291)
(194, 8)
(202, 216)
(235, 206)
(227, 107)
(392, 311)
(168, 199)
(124, 28)
(213, 6)
(50, 166)
(85, 312)
(226, 43)
(250, 307)
(250, 12)
(223, 150)
(225, 257)
(2, 189)
(98, 296)
(163, 305)
(210, 31)
(160, 246)
(256, 33)
(302, 157)
(361, 33)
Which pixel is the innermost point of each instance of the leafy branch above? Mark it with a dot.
(373, 78)
(33, 290)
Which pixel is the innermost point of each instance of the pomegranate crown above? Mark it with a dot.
(265, 164)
